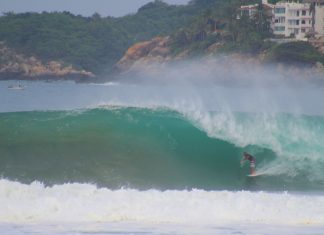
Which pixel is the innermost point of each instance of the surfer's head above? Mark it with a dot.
(246, 155)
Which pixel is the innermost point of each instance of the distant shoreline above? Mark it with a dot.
(71, 77)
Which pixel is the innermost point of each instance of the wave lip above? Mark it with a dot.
(36, 203)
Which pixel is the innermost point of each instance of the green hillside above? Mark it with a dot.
(91, 43)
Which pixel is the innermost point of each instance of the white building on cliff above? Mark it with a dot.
(292, 19)
(251, 10)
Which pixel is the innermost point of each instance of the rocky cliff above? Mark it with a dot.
(17, 66)
(156, 50)
(149, 58)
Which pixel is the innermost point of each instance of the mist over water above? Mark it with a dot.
(221, 84)
(233, 84)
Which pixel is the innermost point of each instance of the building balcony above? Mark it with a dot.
(293, 26)
(293, 17)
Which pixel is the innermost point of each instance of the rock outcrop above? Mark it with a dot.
(156, 50)
(14, 65)
(155, 59)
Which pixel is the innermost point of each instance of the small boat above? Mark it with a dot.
(16, 87)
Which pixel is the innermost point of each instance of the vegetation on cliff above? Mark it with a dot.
(222, 28)
(96, 43)
(223, 23)
(295, 53)
(90, 43)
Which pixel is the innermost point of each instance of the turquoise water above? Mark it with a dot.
(144, 148)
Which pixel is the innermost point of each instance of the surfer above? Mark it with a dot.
(249, 157)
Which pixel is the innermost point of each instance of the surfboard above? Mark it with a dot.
(255, 175)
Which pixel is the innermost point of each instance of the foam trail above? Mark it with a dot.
(85, 203)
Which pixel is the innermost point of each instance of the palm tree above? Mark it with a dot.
(312, 11)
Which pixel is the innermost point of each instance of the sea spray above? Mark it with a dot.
(295, 139)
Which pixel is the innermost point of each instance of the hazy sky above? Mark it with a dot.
(83, 7)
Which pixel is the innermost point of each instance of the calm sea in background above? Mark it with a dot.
(119, 158)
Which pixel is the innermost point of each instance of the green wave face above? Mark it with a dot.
(163, 149)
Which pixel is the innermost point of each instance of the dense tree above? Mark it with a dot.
(223, 22)
(296, 52)
(92, 43)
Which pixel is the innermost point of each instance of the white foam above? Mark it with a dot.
(76, 203)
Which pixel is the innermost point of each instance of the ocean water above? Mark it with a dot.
(125, 159)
